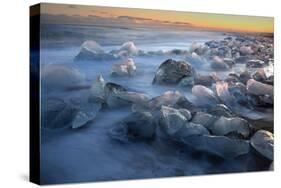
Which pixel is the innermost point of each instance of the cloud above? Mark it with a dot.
(93, 16)
(111, 20)
(182, 23)
(134, 18)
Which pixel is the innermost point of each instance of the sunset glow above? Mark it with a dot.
(202, 20)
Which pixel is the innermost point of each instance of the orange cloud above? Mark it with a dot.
(203, 20)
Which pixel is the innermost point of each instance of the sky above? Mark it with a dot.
(222, 22)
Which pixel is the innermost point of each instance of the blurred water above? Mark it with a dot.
(89, 154)
(66, 35)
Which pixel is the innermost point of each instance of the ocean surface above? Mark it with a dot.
(89, 153)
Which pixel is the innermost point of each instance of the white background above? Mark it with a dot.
(14, 105)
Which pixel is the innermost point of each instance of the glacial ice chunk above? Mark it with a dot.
(129, 48)
(92, 46)
(127, 68)
(86, 113)
(97, 93)
(60, 77)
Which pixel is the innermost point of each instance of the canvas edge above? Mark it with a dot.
(34, 94)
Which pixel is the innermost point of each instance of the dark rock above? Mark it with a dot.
(205, 80)
(230, 62)
(244, 77)
(219, 64)
(268, 100)
(260, 76)
(239, 91)
(141, 124)
(225, 126)
(183, 102)
(204, 119)
(178, 52)
(190, 129)
(212, 44)
(186, 82)
(113, 88)
(174, 123)
(221, 110)
(138, 125)
(228, 38)
(171, 72)
(171, 121)
(263, 142)
(218, 145)
(204, 95)
(270, 80)
(232, 79)
(255, 63)
(257, 88)
(243, 59)
(112, 91)
(262, 101)
(224, 51)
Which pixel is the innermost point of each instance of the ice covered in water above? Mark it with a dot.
(130, 48)
(92, 46)
(91, 50)
(90, 153)
(198, 48)
(97, 93)
(126, 68)
(86, 113)
(57, 114)
(61, 77)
